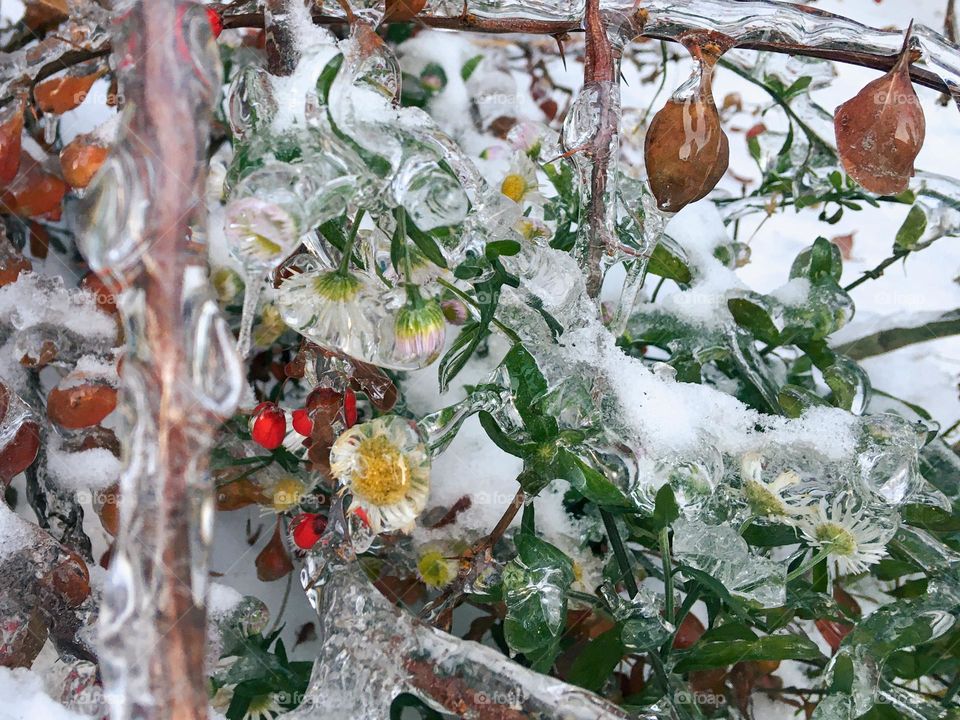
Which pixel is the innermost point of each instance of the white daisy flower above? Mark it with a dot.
(767, 499)
(263, 707)
(385, 466)
(520, 184)
(333, 309)
(260, 234)
(852, 539)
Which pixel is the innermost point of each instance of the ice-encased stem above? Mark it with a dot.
(371, 651)
(180, 372)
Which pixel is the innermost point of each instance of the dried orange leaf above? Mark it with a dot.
(686, 149)
(881, 130)
(80, 161)
(45, 13)
(33, 192)
(11, 128)
(65, 92)
(273, 562)
(81, 405)
(403, 10)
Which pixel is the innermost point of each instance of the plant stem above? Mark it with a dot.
(667, 575)
(511, 335)
(620, 552)
(878, 270)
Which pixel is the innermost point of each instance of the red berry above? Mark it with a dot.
(268, 425)
(350, 408)
(216, 22)
(302, 422)
(307, 529)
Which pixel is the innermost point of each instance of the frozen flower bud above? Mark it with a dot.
(268, 425)
(419, 331)
(306, 529)
(455, 311)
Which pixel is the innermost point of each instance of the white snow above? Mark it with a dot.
(24, 698)
(94, 469)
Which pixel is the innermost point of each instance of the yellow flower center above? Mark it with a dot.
(514, 187)
(435, 569)
(287, 494)
(838, 538)
(383, 476)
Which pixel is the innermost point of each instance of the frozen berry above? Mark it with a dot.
(350, 408)
(268, 426)
(302, 422)
(307, 529)
(216, 22)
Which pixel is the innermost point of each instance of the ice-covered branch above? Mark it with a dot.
(371, 651)
(892, 338)
(180, 374)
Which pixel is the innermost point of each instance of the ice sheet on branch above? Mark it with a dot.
(371, 651)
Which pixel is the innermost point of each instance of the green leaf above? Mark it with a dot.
(754, 318)
(529, 386)
(666, 264)
(820, 261)
(930, 518)
(909, 234)
(665, 509)
(496, 248)
(589, 482)
(500, 438)
(708, 655)
(597, 661)
(426, 244)
(795, 400)
(469, 66)
(327, 76)
(459, 353)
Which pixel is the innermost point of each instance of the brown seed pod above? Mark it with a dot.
(273, 562)
(686, 149)
(881, 130)
(81, 405)
(70, 579)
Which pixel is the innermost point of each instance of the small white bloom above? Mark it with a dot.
(260, 234)
(333, 309)
(520, 183)
(768, 499)
(385, 466)
(263, 707)
(853, 539)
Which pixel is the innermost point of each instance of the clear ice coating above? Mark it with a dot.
(181, 373)
(718, 550)
(371, 651)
